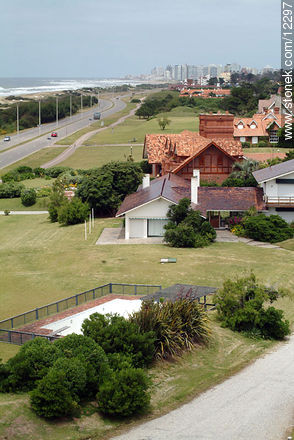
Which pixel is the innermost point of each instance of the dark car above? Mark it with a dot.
(54, 134)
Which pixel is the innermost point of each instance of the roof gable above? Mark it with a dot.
(272, 172)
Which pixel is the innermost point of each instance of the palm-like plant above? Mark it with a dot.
(244, 169)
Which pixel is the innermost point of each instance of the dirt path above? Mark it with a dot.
(79, 142)
(256, 404)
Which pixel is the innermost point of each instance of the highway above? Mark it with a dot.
(66, 127)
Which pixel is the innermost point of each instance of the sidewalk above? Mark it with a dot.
(24, 212)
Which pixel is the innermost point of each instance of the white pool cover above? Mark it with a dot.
(122, 307)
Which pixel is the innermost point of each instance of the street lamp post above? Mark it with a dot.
(17, 117)
(40, 120)
(70, 106)
(81, 105)
(56, 111)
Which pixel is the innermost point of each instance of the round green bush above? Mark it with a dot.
(52, 398)
(28, 197)
(124, 393)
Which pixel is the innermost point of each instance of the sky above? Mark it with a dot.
(112, 38)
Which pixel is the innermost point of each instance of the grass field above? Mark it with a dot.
(36, 159)
(42, 262)
(181, 119)
(89, 157)
(16, 205)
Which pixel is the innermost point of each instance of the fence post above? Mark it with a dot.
(9, 336)
(110, 287)
(77, 300)
(135, 289)
(37, 313)
(11, 322)
(57, 307)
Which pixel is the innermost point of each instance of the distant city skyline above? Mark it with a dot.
(86, 38)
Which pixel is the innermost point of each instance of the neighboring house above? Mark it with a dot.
(274, 104)
(277, 182)
(264, 126)
(181, 153)
(145, 211)
(205, 93)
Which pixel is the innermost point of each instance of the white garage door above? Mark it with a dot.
(136, 228)
(156, 227)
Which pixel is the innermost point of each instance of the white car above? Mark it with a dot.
(7, 139)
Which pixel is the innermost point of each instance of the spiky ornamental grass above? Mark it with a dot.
(178, 325)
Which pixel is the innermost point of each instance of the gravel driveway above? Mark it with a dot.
(255, 404)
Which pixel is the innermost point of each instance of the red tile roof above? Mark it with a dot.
(158, 147)
(261, 121)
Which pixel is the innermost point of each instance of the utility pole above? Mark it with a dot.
(40, 115)
(70, 106)
(91, 101)
(81, 105)
(17, 118)
(56, 111)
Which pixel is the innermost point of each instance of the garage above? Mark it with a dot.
(136, 228)
(156, 227)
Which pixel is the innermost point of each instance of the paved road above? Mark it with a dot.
(80, 141)
(69, 126)
(256, 404)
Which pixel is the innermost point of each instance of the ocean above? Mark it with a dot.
(25, 86)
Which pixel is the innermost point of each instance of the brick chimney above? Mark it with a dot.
(195, 182)
(216, 125)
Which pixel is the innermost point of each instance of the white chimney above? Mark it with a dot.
(146, 181)
(195, 183)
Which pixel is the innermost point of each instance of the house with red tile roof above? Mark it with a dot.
(205, 93)
(145, 211)
(181, 153)
(257, 127)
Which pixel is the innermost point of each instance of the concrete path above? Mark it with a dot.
(225, 236)
(24, 212)
(255, 404)
(117, 236)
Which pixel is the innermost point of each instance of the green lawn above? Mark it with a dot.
(265, 150)
(16, 205)
(181, 119)
(42, 262)
(36, 159)
(89, 157)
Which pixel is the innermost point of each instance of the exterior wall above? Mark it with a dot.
(214, 166)
(288, 216)
(216, 126)
(136, 220)
(274, 189)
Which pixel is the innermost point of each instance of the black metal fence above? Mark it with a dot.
(8, 327)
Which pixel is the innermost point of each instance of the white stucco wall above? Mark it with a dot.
(274, 189)
(286, 215)
(136, 220)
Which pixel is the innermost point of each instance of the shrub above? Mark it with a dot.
(52, 398)
(75, 375)
(39, 172)
(187, 228)
(30, 364)
(262, 144)
(28, 197)
(238, 230)
(56, 171)
(177, 325)
(43, 192)
(267, 228)
(10, 190)
(57, 198)
(124, 393)
(93, 357)
(240, 306)
(116, 334)
(73, 212)
(246, 144)
(6, 212)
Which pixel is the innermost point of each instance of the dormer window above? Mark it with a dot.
(253, 126)
(240, 126)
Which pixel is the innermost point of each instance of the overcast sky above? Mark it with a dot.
(111, 38)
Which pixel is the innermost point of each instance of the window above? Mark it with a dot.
(273, 136)
(242, 138)
(220, 161)
(201, 161)
(156, 227)
(240, 126)
(252, 126)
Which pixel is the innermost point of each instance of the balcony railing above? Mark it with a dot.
(280, 200)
